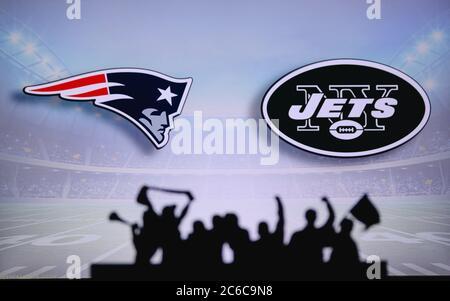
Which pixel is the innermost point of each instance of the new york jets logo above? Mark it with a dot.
(346, 108)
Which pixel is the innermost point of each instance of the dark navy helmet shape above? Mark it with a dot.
(150, 100)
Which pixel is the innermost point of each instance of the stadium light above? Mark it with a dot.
(409, 58)
(437, 35)
(430, 84)
(423, 47)
(24, 84)
(15, 37)
(45, 61)
(58, 73)
(30, 48)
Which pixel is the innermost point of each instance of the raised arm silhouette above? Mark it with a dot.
(147, 238)
(169, 228)
(268, 250)
(331, 214)
(345, 254)
(183, 213)
(199, 257)
(270, 244)
(306, 246)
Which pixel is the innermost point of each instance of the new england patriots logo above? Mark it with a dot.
(150, 100)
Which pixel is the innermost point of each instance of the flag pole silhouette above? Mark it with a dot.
(145, 201)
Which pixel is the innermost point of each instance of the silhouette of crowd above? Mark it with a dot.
(268, 257)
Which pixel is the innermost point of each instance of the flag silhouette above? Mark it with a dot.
(366, 212)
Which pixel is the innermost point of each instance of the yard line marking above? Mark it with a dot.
(419, 269)
(21, 217)
(416, 212)
(390, 268)
(416, 219)
(442, 266)
(8, 211)
(394, 271)
(39, 272)
(437, 210)
(102, 257)
(106, 255)
(50, 235)
(10, 271)
(413, 235)
(45, 221)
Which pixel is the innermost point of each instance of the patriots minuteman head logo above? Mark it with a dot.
(150, 100)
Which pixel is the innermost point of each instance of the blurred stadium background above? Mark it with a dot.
(57, 189)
